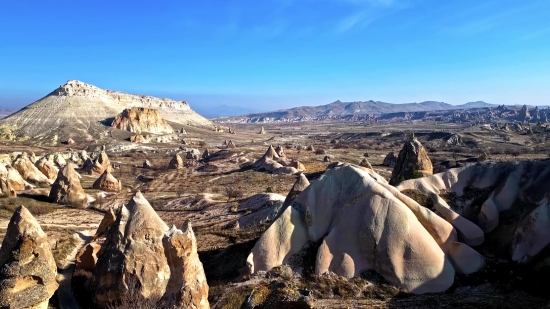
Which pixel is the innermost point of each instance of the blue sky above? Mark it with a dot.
(273, 54)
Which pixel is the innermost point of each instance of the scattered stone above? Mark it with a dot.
(70, 141)
(147, 164)
(327, 159)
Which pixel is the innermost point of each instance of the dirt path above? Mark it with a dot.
(65, 277)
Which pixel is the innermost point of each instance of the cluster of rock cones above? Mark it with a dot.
(133, 252)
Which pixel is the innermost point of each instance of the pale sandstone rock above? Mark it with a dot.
(29, 172)
(413, 162)
(15, 180)
(5, 189)
(28, 270)
(107, 182)
(299, 186)
(99, 165)
(142, 251)
(176, 162)
(67, 188)
(506, 185)
(139, 119)
(47, 168)
(365, 163)
(364, 223)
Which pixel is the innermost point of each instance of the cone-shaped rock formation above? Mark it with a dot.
(27, 266)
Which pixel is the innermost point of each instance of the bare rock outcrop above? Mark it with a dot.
(138, 139)
(15, 180)
(47, 168)
(413, 162)
(298, 165)
(206, 154)
(272, 162)
(140, 119)
(365, 163)
(362, 223)
(299, 186)
(142, 253)
(29, 172)
(147, 164)
(77, 110)
(6, 190)
(107, 182)
(262, 130)
(99, 165)
(524, 114)
(230, 145)
(506, 194)
(390, 160)
(176, 162)
(28, 270)
(67, 188)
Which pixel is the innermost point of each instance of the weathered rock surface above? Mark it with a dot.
(231, 145)
(5, 189)
(413, 162)
(99, 165)
(47, 168)
(363, 223)
(29, 172)
(513, 194)
(142, 253)
(67, 188)
(28, 270)
(272, 162)
(262, 130)
(142, 120)
(76, 109)
(365, 163)
(390, 160)
(299, 186)
(107, 182)
(15, 180)
(176, 162)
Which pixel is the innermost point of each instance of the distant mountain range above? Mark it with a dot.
(341, 109)
(224, 111)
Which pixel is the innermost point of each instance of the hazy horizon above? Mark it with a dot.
(278, 54)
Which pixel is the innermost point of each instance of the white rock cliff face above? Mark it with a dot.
(363, 223)
(76, 110)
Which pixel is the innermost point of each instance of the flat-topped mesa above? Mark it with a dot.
(140, 119)
(79, 111)
(76, 88)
